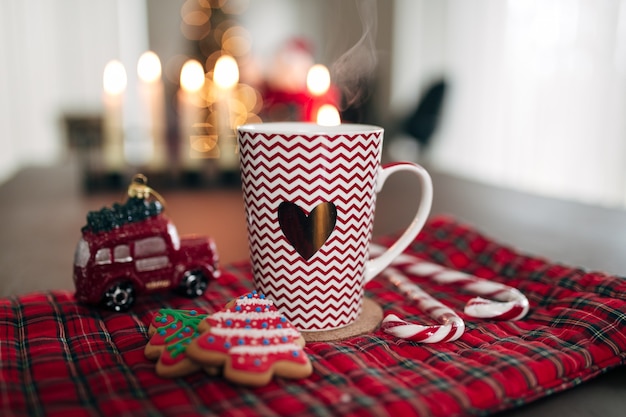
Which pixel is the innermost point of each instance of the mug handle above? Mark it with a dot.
(374, 266)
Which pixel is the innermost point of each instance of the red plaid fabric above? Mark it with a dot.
(59, 358)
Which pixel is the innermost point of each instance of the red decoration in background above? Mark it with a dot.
(285, 93)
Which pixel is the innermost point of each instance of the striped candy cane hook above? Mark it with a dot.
(494, 300)
(451, 325)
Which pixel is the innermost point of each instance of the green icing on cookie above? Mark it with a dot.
(185, 325)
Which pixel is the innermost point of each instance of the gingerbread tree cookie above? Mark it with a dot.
(252, 341)
(170, 333)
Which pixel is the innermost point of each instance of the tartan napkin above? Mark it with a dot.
(60, 358)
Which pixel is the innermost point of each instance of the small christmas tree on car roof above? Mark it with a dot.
(133, 210)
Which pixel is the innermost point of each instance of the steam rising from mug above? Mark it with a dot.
(352, 70)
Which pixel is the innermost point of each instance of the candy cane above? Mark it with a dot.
(451, 327)
(495, 301)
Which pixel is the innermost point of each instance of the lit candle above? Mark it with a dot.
(225, 77)
(328, 115)
(191, 82)
(114, 82)
(320, 89)
(152, 96)
(318, 80)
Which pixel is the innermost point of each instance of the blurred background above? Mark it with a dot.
(518, 108)
(529, 95)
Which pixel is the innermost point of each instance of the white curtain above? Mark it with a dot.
(52, 54)
(537, 96)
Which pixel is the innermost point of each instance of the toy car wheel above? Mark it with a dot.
(193, 284)
(119, 297)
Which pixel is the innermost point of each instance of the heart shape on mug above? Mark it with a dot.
(307, 233)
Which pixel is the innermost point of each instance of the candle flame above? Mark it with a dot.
(318, 80)
(328, 115)
(149, 67)
(192, 76)
(226, 72)
(114, 78)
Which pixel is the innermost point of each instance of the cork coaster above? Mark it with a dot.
(368, 321)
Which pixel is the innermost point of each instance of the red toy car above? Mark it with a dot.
(134, 249)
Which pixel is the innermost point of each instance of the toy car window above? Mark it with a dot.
(81, 256)
(103, 256)
(150, 246)
(151, 264)
(171, 229)
(121, 253)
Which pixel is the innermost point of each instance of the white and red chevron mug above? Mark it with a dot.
(309, 195)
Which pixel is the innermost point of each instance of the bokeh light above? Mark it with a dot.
(328, 115)
(318, 80)
(149, 67)
(226, 72)
(114, 79)
(192, 76)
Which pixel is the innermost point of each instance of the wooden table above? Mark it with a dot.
(43, 210)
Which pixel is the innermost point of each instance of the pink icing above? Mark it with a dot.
(254, 334)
